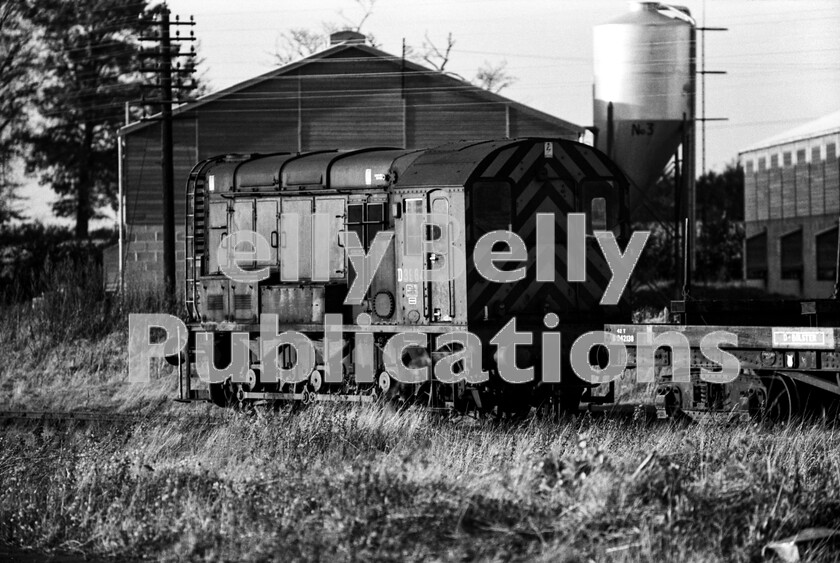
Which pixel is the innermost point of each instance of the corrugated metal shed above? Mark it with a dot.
(347, 96)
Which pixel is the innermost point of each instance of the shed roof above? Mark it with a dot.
(824, 125)
(369, 51)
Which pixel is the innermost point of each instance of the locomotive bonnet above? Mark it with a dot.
(317, 212)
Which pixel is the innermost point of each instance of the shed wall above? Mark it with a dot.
(351, 99)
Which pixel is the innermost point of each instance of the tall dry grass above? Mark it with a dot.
(366, 483)
(66, 348)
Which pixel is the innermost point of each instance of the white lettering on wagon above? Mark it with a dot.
(821, 338)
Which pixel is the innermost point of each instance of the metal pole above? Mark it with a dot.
(120, 210)
(703, 84)
(610, 132)
(403, 99)
(836, 294)
(686, 263)
(402, 71)
(121, 202)
(690, 179)
(168, 182)
(677, 220)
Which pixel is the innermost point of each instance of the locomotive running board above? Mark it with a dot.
(308, 397)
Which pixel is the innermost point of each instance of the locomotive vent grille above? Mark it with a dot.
(215, 302)
(242, 301)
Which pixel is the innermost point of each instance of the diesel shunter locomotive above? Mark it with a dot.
(308, 207)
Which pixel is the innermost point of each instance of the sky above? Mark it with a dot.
(781, 57)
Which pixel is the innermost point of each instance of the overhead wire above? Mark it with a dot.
(337, 94)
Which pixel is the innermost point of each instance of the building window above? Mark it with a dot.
(827, 255)
(757, 257)
(815, 155)
(791, 255)
(800, 156)
(787, 158)
(749, 166)
(830, 151)
(762, 164)
(774, 161)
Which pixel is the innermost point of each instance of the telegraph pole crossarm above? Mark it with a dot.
(165, 53)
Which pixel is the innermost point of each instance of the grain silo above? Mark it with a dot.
(645, 93)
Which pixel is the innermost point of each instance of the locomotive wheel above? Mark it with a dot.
(545, 408)
(815, 405)
(223, 394)
(514, 403)
(782, 399)
(384, 382)
(251, 381)
(315, 381)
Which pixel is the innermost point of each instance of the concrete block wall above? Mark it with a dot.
(143, 259)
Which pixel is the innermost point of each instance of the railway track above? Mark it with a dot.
(647, 412)
(18, 415)
(12, 416)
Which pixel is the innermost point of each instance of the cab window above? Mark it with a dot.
(491, 207)
(599, 200)
(366, 219)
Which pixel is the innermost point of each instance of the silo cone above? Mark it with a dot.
(644, 78)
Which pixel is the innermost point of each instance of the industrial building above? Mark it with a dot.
(347, 96)
(791, 209)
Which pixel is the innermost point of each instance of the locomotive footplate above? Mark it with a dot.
(306, 397)
(319, 328)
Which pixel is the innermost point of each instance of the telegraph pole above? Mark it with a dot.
(703, 72)
(165, 54)
(167, 172)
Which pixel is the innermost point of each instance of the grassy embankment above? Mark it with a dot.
(363, 483)
(366, 483)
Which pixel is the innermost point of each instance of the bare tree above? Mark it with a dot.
(435, 56)
(356, 23)
(491, 77)
(298, 43)
(494, 78)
